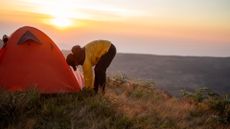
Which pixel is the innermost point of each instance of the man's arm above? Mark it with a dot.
(88, 75)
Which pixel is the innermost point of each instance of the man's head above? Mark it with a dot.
(76, 57)
(76, 50)
(71, 61)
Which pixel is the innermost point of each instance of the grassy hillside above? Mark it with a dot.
(127, 104)
(173, 73)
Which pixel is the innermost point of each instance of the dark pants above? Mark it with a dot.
(101, 66)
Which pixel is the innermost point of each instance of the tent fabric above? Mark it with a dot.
(32, 65)
(79, 76)
(1, 51)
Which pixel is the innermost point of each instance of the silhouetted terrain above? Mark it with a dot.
(173, 73)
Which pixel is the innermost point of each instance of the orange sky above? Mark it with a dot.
(168, 27)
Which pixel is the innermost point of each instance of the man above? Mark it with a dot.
(98, 53)
(5, 39)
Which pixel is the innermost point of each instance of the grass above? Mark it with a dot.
(127, 104)
(62, 111)
(152, 108)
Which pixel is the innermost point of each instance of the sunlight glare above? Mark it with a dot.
(61, 15)
(61, 22)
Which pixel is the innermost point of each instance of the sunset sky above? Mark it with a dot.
(165, 27)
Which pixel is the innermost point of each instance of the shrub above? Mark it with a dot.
(218, 106)
(221, 108)
(197, 96)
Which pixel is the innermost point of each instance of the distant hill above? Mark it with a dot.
(173, 73)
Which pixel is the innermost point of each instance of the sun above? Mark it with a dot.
(61, 22)
(57, 13)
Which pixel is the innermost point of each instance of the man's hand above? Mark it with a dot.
(74, 67)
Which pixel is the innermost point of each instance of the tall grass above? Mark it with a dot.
(152, 108)
(127, 104)
(61, 111)
(215, 106)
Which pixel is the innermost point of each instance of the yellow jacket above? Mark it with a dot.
(93, 52)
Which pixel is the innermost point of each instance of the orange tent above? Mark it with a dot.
(32, 60)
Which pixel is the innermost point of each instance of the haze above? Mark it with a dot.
(165, 27)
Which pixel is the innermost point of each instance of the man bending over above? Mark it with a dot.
(98, 53)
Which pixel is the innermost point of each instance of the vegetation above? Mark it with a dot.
(127, 104)
(152, 108)
(217, 107)
(31, 110)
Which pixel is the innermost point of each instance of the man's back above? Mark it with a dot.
(95, 49)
